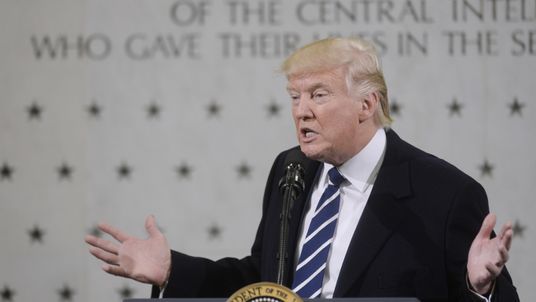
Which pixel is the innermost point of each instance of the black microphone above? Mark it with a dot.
(294, 172)
(291, 186)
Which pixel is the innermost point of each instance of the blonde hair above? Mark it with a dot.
(360, 57)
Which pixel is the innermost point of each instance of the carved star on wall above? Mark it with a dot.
(455, 107)
(125, 292)
(184, 170)
(66, 293)
(214, 231)
(518, 229)
(516, 107)
(124, 171)
(36, 234)
(6, 171)
(486, 169)
(153, 110)
(395, 108)
(34, 111)
(95, 231)
(7, 293)
(94, 109)
(214, 109)
(64, 171)
(273, 109)
(244, 170)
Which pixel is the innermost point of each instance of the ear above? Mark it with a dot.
(369, 106)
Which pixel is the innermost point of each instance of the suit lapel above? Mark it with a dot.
(381, 216)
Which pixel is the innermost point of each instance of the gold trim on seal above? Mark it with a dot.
(264, 292)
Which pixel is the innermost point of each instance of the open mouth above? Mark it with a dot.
(308, 133)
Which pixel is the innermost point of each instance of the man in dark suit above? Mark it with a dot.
(406, 223)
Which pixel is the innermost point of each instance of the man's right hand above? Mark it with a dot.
(145, 260)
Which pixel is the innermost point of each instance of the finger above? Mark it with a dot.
(503, 253)
(507, 226)
(89, 239)
(506, 235)
(113, 231)
(494, 270)
(151, 227)
(114, 270)
(487, 226)
(102, 244)
(104, 256)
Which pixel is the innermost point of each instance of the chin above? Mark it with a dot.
(321, 154)
(311, 152)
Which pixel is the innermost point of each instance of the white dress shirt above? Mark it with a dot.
(360, 172)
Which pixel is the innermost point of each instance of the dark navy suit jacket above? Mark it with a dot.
(412, 239)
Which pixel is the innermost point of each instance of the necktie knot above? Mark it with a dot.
(335, 177)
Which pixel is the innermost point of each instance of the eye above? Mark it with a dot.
(320, 96)
(294, 98)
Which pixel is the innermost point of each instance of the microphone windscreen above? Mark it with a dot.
(295, 156)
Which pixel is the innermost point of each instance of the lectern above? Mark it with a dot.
(305, 300)
(271, 292)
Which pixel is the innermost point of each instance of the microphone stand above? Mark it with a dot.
(291, 185)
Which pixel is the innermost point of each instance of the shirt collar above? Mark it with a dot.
(362, 168)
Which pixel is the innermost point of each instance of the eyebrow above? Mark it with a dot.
(312, 88)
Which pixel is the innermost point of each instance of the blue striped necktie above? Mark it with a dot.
(313, 258)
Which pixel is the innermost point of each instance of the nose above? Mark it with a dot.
(302, 110)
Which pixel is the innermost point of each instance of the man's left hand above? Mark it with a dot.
(488, 256)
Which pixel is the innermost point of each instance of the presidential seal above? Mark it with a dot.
(264, 292)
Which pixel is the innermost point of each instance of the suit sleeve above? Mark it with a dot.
(465, 218)
(200, 277)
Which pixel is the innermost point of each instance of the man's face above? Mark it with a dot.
(327, 116)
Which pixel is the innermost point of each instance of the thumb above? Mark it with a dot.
(487, 226)
(150, 226)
